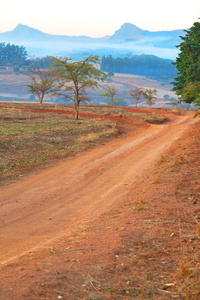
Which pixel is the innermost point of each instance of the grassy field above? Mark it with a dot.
(32, 135)
(28, 140)
(140, 115)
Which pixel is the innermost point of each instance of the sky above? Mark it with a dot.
(97, 18)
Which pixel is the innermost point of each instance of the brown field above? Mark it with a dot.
(14, 85)
(31, 136)
(119, 220)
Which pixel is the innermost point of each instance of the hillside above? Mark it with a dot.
(129, 32)
(13, 87)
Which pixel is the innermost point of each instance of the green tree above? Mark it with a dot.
(188, 64)
(150, 96)
(110, 93)
(192, 90)
(137, 93)
(76, 77)
(197, 103)
(42, 82)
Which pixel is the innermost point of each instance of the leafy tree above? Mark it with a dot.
(197, 103)
(110, 93)
(75, 77)
(150, 96)
(188, 65)
(42, 82)
(137, 93)
(192, 90)
(117, 102)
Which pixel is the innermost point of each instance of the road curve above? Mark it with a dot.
(46, 206)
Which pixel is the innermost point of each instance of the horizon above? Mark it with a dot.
(26, 25)
(98, 21)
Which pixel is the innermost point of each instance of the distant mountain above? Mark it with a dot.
(24, 33)
(129, 32)
(128, 39)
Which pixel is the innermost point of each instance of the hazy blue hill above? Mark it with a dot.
(130, 33)
(23, 33)
(129, 38)
(127, 32)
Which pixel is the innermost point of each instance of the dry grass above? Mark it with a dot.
(29, 140)
(91, 137)
(139, 115)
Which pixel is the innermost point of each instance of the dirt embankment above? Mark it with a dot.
(106, 224)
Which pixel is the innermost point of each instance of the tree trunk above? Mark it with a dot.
(76, 105)
(136, 101)
(41, 98)
(76, 114)
(112, 101)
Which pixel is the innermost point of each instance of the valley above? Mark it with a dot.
(13, 87)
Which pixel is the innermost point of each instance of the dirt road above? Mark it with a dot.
(46, 206)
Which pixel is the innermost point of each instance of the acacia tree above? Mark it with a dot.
(42, 82)
(137, 93)
(150, 96)
(74, 78)
(110, 93)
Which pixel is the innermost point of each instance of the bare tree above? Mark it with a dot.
(42, 82)
(136, 94)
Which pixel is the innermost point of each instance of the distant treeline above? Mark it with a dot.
(12, 54)
(147, 65)
(16, 56)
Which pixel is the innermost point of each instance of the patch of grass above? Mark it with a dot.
(138, 116)
(91, 137)
(29, 140)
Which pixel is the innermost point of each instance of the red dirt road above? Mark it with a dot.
(45, 206)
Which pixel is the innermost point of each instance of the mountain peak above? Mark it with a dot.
(24, 32)
(128, 31)
(20, 25)
(129, 26)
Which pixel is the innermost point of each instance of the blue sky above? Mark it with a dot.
(97, 18)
